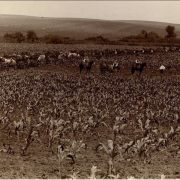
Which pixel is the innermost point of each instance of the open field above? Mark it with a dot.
(18, 47)
(27, 47)
(56, 122)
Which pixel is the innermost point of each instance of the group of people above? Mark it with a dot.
(162, 68)
(87, 64)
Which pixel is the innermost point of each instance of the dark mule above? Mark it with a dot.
(86, 65)
(138, 67)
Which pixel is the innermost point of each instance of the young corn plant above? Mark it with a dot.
(56, 129)
(167, 137)
(32, 135)
(29, 139)
(61, 154)
(18, 128)
(145, 127)
(109, 152)
(143, 149)
(74, 149)
(112, 149)
(70, 152)
(74, 175)
(94, 170)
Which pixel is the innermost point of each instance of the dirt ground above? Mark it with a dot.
(40, 163)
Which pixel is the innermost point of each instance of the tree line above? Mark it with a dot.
(19, 37)
(31, 37)
(151, 36)
(144, 36)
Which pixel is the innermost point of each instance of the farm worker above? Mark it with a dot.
(116, 64)
(86, 59)
(162, 68)
(137, 62)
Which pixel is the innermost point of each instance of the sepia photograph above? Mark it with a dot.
(90, 89)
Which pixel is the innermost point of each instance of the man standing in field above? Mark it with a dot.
(162, 69)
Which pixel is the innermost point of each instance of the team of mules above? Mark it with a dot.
(85, 58)
(85, 65)
(105, 67)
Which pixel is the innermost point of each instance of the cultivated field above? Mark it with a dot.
(58, 123)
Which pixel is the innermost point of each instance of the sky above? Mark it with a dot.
(162, 11)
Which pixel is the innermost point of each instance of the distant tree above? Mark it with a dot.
(52, 39)
(170, 32)
(19, 37)
(97, 39)
(8, 37)
(152, 36)
(31, 36)
(144, 34)
(14, 37)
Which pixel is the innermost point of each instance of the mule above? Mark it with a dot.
(139, 67)
(87, 65)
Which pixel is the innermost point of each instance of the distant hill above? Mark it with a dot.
(80, 28)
